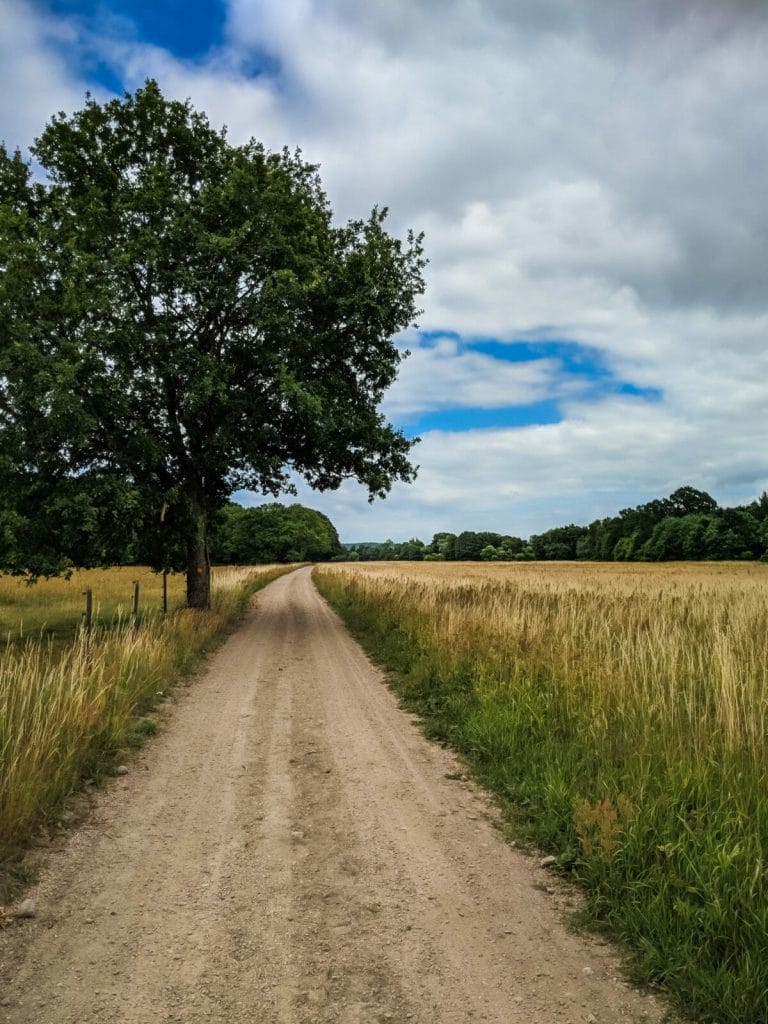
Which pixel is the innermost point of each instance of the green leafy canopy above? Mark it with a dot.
(182, 315)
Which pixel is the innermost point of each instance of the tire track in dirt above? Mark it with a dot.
(290, 851)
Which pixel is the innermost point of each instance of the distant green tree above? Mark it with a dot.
(272, 533)
(510, 547)
(759, 508)
(637, 533)
(469, 544)
(686, 501)
(624, 549)
(444, 544)
(733, 534)
(759, 511)
(666, 542)
(715, 535)
(557, 544)
(411, 551)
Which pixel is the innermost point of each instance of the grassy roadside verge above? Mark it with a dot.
(53, 608)
(65, 714)
(655, 805)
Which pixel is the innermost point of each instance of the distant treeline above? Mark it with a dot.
(688, 525)
(272, 533)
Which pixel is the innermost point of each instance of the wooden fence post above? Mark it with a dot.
(88, 625)
(88, 613)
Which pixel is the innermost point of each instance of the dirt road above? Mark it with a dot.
(291, 850)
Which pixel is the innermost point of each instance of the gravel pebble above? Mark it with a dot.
(26, 909)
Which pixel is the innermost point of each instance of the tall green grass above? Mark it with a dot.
(66, 712)
(621, 723)
(54, 607)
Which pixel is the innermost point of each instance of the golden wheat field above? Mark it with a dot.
(639, 637)
(620, 714)
(655, 574)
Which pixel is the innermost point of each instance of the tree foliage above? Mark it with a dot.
(444, 547)
(272, 533)
(181, 319)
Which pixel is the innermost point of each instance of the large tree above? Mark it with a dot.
(180, 317)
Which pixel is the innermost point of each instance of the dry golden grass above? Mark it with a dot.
(55, 606)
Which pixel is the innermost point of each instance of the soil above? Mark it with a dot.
(291, 850)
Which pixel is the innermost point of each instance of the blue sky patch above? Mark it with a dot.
(189, 33)
(105, 75)
(187, 30)
(536, 414)
(575, 358)
(649, 394)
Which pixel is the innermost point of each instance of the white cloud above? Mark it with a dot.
(559, 254)
(35, 81)
(442, 376)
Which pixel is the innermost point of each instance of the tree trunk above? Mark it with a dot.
(199, 565)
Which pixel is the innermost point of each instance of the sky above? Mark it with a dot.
(591, 180)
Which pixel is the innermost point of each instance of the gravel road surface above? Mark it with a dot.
(291, 850)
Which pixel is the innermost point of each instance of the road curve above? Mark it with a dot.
(291, 850)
